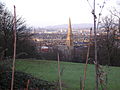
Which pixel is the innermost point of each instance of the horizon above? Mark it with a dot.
(45, 13)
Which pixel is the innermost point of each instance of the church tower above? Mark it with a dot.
(69, 40)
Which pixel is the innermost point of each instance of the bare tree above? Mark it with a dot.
(87, 57)
(14, 49)
(116, 13)
(107, 42)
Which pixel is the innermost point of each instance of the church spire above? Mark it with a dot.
(69, 35)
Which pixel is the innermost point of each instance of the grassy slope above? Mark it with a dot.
(72, 72)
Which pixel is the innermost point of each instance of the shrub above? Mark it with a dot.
(21, 80)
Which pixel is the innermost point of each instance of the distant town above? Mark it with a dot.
(55, 35)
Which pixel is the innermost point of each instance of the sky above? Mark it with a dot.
(41, 13)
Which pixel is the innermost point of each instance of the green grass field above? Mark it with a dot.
(72, 72)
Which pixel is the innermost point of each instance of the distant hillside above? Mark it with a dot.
(74, 26)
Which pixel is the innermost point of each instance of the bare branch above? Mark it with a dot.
(115, 12)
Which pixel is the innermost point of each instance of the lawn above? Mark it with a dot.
(72, 72)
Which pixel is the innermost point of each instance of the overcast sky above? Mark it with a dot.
(42, 13)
